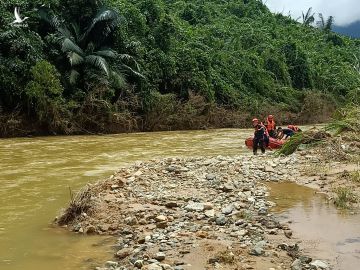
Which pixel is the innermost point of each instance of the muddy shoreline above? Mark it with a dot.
(197, 213)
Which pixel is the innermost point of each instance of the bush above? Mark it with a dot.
(44, 93)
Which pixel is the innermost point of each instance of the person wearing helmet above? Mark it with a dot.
(259, 136)
(294, 128)
(271, 126)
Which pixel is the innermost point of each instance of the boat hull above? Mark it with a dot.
(273, 143)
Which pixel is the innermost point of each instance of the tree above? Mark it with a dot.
(325, 25)
(308, 18)
(88, 48)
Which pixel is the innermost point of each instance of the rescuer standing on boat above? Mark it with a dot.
(259, 136)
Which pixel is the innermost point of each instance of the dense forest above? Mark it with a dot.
(92, 66)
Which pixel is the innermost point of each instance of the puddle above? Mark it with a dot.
(327, 233)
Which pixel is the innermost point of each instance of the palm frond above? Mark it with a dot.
(321, 23)
(75, 59)
(133, 72)
(76, 29)
(107, 15)
(69, 46)
(46, 15)
(125, 57)
(73, 76)
(118, 80)
(106, 53)
(98, 61)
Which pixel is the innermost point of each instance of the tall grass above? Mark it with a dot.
(307, 137)
(344, 196)
(346, 119)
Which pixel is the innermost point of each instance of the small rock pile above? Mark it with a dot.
(163, 211)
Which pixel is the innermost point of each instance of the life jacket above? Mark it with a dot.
(294, 128)
(271, 124)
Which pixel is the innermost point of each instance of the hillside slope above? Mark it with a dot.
(165, 65)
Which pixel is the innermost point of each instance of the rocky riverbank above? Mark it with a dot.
(196, 213)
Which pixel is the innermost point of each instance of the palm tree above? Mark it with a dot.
(327, 24)
(89, 48)
(308, 18)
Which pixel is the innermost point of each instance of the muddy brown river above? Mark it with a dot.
(36, 173)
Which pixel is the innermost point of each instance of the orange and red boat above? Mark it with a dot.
(273, 143)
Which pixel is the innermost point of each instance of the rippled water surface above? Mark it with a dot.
(36, 173)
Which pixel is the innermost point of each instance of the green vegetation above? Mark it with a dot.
(344, 196)
(346, 119)
(122, 65)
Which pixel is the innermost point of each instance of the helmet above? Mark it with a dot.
(255, 120)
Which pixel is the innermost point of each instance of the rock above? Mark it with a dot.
(90, 229)
(202, 234)
(228, 187)
(228, 209)
(305, 259)
(296, 265)
(319, 264)
(258, 249)
(220, 220)
(263, 211)
(111, 264)
(161, 225)
(195, 207)
(138, 173)
(114, 187)
(208, 206)
(131, 221)
(210, 213)
(123, 253)
(110, 198)
(160, 256)
(210, 176)
(166, 267)
(269, 169)
(147, 238)
(152, 266)
(139, 264)
(171, 204)
(104, 227)
(161, 218)
(288, 233)
(242, 232)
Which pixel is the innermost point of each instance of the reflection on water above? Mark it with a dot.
(328, 233)
(35, 174)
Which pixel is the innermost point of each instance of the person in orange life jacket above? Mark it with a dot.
(259, 136)
(271, 126)
(294, 128)
(284, 132)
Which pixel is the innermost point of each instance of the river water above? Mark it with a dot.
(36, 173)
